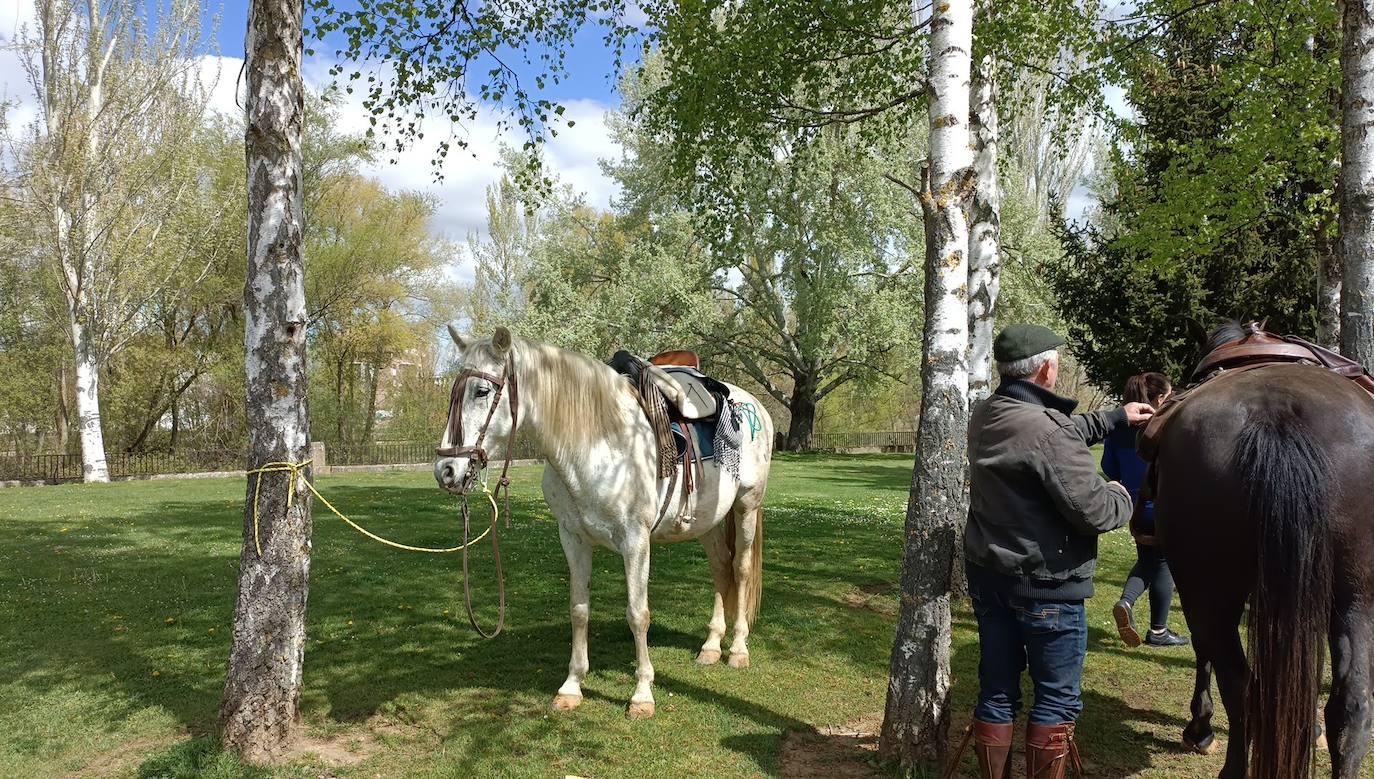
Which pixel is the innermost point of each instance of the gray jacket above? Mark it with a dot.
(1037, 503)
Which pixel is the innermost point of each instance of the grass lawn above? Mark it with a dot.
(117, 600)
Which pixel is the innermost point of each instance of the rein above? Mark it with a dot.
(477, 461)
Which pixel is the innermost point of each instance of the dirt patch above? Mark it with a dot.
(121, 760)
(877, 598)
(847, 751)
(334, 752)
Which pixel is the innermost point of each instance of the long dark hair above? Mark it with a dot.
(1145, 387)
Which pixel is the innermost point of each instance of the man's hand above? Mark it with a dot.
(1119, 485)
(1138, 413)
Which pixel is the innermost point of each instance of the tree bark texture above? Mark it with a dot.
(985, 235)
(1357, 181)
(261, 700)
(802, 414)
(62, 419)
(916, 721)
(88, 427)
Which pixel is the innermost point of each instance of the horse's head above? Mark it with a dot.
(482, 412)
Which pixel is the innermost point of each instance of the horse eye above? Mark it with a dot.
(482, 392)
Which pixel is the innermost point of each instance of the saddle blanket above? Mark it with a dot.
(705, 443)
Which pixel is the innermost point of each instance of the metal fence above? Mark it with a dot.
(402, 452)
(890, 441)
(67, 467)
(380, 453)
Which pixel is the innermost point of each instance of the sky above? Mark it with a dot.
(588, 94)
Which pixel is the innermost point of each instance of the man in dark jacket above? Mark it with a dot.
(1037, 506)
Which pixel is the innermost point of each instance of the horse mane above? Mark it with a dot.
(575, 399)
(1228, 331)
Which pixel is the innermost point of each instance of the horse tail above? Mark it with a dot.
(755, 594)
(1285, 471)
(751, 609)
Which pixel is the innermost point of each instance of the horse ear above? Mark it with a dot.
(458, 338)
(501, 341)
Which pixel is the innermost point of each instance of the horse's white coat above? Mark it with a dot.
(601, 482)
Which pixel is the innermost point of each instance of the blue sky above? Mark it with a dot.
(574, 156)
(587, 92)
(590, 67)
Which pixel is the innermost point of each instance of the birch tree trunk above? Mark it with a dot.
(916, 720)
(1357, 181)
(985, 236)
(62, 419)
(260, 708)
(88, 429)
(117, 101)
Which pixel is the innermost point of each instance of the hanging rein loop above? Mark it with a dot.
(477, 461)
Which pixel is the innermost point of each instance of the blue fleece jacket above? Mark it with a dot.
(1121, 463)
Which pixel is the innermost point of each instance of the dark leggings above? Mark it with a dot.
(1152, 570)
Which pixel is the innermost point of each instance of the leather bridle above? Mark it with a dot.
(477, 461)
(454, 433)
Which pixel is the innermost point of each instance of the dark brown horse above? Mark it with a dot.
(1263, 498)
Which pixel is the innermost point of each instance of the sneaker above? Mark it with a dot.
(1165, 638)
(1125, 623)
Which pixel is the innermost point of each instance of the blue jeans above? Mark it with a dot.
(1049, 636)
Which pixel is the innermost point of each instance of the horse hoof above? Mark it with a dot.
(739, 660)
(565, 702)
(1208, 746)
(640, 710)
(708, 657)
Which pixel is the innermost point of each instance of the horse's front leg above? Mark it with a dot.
(636, 553)
(579, 553)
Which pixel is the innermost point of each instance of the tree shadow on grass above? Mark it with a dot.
(142, 610)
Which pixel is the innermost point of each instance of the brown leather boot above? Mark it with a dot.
(1049, 751)
(992, 744)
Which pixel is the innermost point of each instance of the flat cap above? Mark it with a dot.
(1017, 342)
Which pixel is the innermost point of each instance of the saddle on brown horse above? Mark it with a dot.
(1255, 350)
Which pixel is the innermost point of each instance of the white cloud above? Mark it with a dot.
(572, 156)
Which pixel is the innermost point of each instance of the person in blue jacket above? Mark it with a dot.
(1121, 463)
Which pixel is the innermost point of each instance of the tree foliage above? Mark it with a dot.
(1218, 199)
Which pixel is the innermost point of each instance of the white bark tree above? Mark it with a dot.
(916, 720)
(1357, 181)
(985, 235)
(261, 702)
(100, 169)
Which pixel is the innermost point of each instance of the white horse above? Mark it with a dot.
(601, 482)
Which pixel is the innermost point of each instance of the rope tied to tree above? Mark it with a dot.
(293, 471)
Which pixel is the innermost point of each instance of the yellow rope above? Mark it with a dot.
(294, 469)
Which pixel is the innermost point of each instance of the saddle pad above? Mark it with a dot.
(706, 445)
(688, 390)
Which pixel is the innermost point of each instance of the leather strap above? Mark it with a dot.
(508, 378)
(1244, 350)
